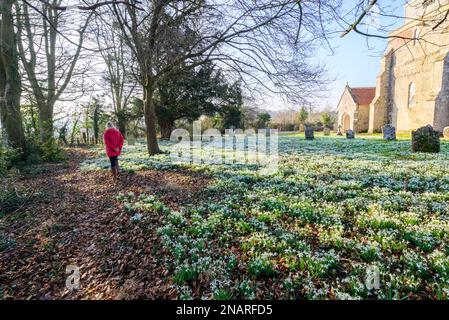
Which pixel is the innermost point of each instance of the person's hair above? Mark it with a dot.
(110, 125)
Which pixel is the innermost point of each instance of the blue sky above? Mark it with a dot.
(355, 61)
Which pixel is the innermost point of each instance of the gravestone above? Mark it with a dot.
(350, 134)
(389, 132)
(327, 132)
(309, 133)
(339, 133)
(131, 140)
(425, 139)
(446, 132)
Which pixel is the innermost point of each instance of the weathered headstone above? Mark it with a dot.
(309, 132)
(131, 140)
(339, 133)
(327, 132)
(389, 132)
(350, 134)
(446, 132)
(425, 139)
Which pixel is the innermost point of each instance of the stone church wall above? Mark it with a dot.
(380, 109)
(363, 118)
(423, 63)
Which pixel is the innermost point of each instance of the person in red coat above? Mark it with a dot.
(113, 141)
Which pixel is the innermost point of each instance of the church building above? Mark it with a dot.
(412, 88)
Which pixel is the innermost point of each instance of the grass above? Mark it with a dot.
(333, 209)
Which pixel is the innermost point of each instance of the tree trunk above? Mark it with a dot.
(33, 119)
(10, 115)
(150, 121)
(46, 122)
(121, 124)
(72, 134)
(96, 121)
(10, 84)
(166, 127)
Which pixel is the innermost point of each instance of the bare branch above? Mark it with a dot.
(92, 7)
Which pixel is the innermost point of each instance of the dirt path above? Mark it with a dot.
(74, 219)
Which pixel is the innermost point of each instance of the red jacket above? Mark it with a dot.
(113, 139)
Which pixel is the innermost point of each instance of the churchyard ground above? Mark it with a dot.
(334, 215)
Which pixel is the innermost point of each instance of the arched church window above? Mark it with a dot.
(411, 95)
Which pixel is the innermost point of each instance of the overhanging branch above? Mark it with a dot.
(92, 7)
(360, 18)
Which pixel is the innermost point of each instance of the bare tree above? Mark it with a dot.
(118, 74)
(50, 61)
(10, 83)
(376, 19)
(254, 40)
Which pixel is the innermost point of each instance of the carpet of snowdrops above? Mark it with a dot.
(334, 209)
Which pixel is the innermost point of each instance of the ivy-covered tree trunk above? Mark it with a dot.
(46, 122)
(74, 131)
(10, 84)
(122, 123)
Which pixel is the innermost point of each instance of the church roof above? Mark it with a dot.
(363, 96)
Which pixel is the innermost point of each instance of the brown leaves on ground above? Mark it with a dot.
(76, 220)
